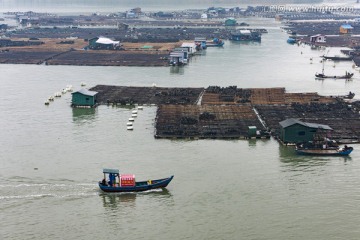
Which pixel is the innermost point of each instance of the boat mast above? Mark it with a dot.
(324, 61)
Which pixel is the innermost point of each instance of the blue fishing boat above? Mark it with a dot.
(115, 182)
(291, 40)
(325, 147)
(325, 151)
(216, 42)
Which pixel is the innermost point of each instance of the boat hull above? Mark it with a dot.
(325, 152)
(338, 58)
(334, 77)
(139, 186)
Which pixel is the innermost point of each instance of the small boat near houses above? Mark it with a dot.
(338, 58)
(347, 75)
(216, 42)
(291, 40)
(326, 151)
(113, 181)
(322, 75)
(322, 146)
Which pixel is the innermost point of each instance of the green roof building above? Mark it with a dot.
(295, 131)
(230, 22)
(84, 98)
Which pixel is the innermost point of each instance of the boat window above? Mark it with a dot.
(301, 133)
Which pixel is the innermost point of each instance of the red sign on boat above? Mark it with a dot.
(127, 180)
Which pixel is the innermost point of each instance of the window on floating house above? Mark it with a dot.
(301, 133)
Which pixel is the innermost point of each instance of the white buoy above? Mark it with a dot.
(51, 98)
(47, 102)
(134, 115)
(69, 88)
(64, 91)
(134, 112)
(140, 108)
(129, 124)
(130, 128)
(83, 84)
(131, 119)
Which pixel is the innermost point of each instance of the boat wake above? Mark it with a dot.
(26, 191)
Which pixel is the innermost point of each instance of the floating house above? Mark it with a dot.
(245, 35)
(178, 58)
(319, 38)
(103, 43)
(183, 50)
(295, 131)
(346, 29)
(84, 98)
(191, 46)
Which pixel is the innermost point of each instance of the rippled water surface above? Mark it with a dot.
(52, 157)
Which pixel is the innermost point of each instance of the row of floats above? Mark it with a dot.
(68, 88)
(129, 125)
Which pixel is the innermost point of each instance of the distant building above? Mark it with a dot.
(346, 29)
(295, 131)
(204, 16)
(130, 14)
(319, 38)
(3, 27)
(103, 43)
(123, 26)
(164, 15)
(136, 10)
(84, 98)
(230, 22)
(279, 17)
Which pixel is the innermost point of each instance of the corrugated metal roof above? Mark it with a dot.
(109, 170)
(291, 121)
(245, 31)
(104, 40)
(86, 92)
(347, 26)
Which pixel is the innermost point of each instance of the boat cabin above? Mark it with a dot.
(113, 178)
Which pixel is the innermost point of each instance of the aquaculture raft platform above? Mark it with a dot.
(338, 115)
(228, 112)
(215, 95)
(146, 95)
(210, 121)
